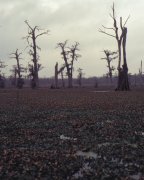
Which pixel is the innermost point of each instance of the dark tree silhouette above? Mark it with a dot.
(109, 57)
(69, 54)
(80, 75)
(33, 34)
(123, 83)
(57, 72)
(141, 72)
(18, 69)
(13, 77)
(2, 79)
(141, 69)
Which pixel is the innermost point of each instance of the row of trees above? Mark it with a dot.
(70, 55)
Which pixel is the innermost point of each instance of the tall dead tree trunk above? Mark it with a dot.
(65, 54)
(62, 78)
(56, 75)
(57, 72)
(124, 85)
(70, 79)
(2, 79)
(32, 36)
(141, 73)
(119, 39)
(18, 69)
(17, 57)
(80, 75)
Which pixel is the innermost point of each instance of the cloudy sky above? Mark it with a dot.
(73, 20)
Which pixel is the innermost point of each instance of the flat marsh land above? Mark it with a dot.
(71, 134)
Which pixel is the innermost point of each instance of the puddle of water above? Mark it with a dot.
(62, 137)
(136, 176)
(86, 168)
(100, 91)
(103, 144)
(86, 154)
(139, 133)
(109, 121)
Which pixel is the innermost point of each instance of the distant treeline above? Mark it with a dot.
(135, 80)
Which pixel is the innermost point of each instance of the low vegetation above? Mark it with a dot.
(71, 134)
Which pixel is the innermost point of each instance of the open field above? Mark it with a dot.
(71, 134)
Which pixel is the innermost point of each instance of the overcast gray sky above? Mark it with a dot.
(75, 20)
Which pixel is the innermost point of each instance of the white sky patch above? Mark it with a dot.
(50, 4)
(7, 9)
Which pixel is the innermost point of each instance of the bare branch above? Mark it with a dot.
(46, 32)
(108, 28)
(101, 31)
(121, 23)
(62, 45)
(126, 21)
(26, 21)
(103, 58)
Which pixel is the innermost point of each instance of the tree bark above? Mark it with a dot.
(56, 75)
(123, 83)
(36, 79)
(62, 77)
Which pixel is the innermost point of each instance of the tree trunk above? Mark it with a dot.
(123, 82)
(56, 75)
(119, 64)
(62, 78)
(36, 79)
(70, 81)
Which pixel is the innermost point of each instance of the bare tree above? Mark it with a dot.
(57, 72)
(2, 66)
(13, 77)
(141, 69)
(16, 55)
(33, 34)
(2, 79)
(123, 83)
(109, 57)
(69, 54)
(18, 69)
(80, 75)
(141, 72)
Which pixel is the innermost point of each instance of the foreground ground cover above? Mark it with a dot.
(71, 134)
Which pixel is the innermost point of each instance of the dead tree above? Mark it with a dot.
(2, 79)
(69, 54)
(31, 74)
(123, 83)
(141, 73)
(80, 75)
(33, 34)
(62, 78)
(74, 57)
(18, 69)
(109, 57)
(140, 69)
(57, 72)
(16, 56)
(56, 75)
(2, 65)
(13, 77)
